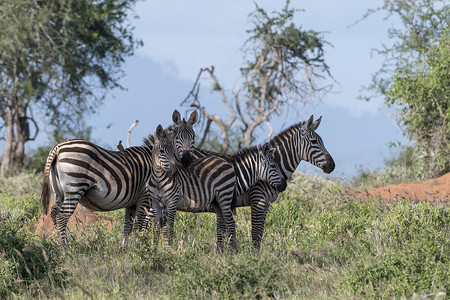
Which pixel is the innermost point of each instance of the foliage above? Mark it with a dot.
(414, 77)
(57, 59)
(25, 260)
(404, 166)
(36, 158)
(422, 94)
(278, 50)
(320, 242)
(418, 26)
(212, 141)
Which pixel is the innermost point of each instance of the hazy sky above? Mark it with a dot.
(180, 37)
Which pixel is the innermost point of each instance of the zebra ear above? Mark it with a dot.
(159, 131)
(316, 123)
(307, 124)
(193, 118)
(176, 117)
(268, 149)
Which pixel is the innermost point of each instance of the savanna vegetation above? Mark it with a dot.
(414, 80)
(320, 242)
(321, 239)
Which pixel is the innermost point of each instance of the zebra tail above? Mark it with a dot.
(45, 194)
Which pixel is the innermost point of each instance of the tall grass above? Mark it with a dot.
(320, 242)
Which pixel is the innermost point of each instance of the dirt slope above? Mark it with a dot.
(430, 190)
(81, 219)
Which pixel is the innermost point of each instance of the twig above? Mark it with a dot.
(129, 132)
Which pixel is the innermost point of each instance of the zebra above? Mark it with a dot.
(208, 184)
(103, 180)
(294, 144)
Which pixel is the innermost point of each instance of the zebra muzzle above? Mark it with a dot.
(329, 166)
(282, 186)
(186, 159)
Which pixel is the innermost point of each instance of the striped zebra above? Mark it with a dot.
(294, 144)
(208, 184)
(103, 180)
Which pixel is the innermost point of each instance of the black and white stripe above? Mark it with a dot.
(103, 180)
(296, 143)
(208, 183)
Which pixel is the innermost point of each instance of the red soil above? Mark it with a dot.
(433, 189)
(81, 219)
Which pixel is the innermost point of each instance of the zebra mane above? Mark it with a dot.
(246, 150)
(149, 141)
(287, 131)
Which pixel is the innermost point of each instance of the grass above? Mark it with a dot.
(320, 242)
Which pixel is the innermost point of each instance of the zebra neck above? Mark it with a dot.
(158, 171)
(246, 168)
(289, 146)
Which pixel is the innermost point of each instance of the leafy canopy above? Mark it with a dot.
(421, 92)
(61, 55)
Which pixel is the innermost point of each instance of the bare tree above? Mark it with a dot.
(283, 68)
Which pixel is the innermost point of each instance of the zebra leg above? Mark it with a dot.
(144, 214)
(258, 215)
(158, 221)
(130, 214)
(167, 229)
(221, 228)
(230, 225)
(260, 197)
(61, 213)
(149, 220)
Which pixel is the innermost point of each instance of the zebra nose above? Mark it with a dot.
(282, 186)
(329, 165)
(186, 159)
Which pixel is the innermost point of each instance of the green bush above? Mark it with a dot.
(25, 259)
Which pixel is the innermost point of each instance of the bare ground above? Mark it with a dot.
(81, 219)
(430, 190)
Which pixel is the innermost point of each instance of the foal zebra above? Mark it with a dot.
(211, 178)
(208, 184)
(103, 180)
(294, 144)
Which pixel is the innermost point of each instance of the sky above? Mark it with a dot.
(180, 37)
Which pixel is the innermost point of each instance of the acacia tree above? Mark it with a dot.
(414, 77)
(283, 67)
(421, 92)
(57, 59)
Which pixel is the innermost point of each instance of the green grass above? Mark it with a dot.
(319, 242)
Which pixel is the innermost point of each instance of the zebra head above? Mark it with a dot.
(163, 153)
(184, 137)
(269, 169)
(313, 149)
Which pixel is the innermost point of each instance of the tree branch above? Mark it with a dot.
(129, 132)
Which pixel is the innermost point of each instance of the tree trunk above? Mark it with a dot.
(22, 136)
(10, 141)
(17, 134)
